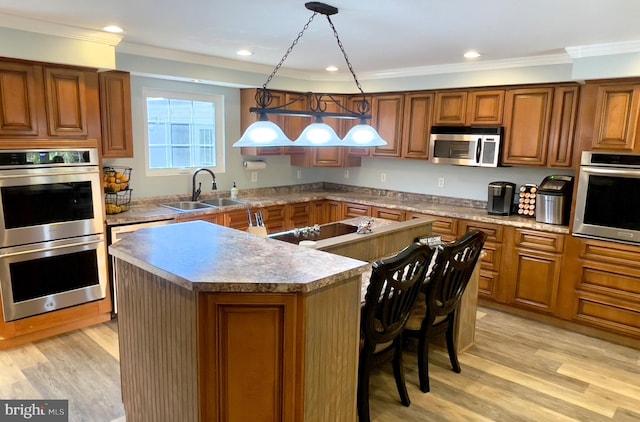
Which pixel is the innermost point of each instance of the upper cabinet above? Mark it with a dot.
(466, 108)
(616, 117)
(46, 101)
(418, 112)
(387, 120)
(115, 114)
(539, 126)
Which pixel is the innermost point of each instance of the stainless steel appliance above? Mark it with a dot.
(554, 200)
(500, 198)
(608, 199)
(465, 145)
(52, 245)
(117, 233)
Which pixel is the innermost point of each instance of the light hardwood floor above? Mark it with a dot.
(519, 370)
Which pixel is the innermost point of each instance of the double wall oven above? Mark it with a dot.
(52, 243)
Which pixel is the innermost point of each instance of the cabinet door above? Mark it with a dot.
(320, 212)
(211, 218)
(445, 227)
(20, 86)
(490, 276)
(115, 114)
(563, 126)
(300, 215)
(248, 100)
(485, 107)
(616, 121)
(334, 211)
(387, 119)
(527, 121)
(236, 219)
(66, 103)
(532, 270)
(451, 108)
(275, 218)
(418, 111)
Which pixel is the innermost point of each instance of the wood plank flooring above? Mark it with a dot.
(519, 370)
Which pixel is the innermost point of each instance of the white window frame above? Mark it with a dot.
(220, 143)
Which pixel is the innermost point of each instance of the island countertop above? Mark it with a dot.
(202, 256)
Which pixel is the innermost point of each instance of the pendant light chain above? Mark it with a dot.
(346, 58)
(275, 70)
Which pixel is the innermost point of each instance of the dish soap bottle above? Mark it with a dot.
(234, 191)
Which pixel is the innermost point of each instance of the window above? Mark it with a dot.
(184, 131)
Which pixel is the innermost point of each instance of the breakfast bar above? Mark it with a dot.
(219, 324)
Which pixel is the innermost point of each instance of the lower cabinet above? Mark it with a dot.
(388, 214)
(489, 284)
(601, 285)
(211, 218)
(300, 215)
(531, 273)
(350, 210)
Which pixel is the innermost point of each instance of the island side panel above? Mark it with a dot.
(250, 347)
(158, 347)
(331, 352)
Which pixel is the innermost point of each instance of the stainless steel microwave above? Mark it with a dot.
(607, 199)
(466, 145)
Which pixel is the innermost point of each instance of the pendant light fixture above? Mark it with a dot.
(264, 133)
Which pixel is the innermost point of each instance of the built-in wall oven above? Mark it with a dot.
(608, 197)
(52, 243)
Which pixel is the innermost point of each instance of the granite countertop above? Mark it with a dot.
(202, 256)
(149, 211)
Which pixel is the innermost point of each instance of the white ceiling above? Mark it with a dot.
(381, 37)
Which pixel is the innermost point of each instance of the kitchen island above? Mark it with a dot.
(218, 324)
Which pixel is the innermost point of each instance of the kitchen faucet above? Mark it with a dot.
(195, 193)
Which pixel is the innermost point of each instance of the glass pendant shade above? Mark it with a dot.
(318, 134)
(263, 133)
(363, 135)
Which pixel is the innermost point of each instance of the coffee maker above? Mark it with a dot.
(500, 201)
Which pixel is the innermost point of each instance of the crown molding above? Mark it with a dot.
(54, 29)
(603, 49)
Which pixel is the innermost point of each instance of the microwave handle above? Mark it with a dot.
(478, 150)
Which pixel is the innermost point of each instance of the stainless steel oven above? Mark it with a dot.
(608, 197)
(52, 242)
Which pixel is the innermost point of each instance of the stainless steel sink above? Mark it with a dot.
(187, 205)
(222, 202)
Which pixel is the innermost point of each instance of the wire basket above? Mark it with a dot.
(118, 202)
(115, 179)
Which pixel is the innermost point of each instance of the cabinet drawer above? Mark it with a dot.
(615, 281)
(487, 283)
(388, 214)
(494, 233)
(441, 225)
(491, 254)
(611, 252)
(356, 210)
(541, 241)
(608, 313)
(276, 212)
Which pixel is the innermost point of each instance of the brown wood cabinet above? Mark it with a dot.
(616, 119)
(563, 126)
(115, 114)
(531, 274)
(526, 123)
(300, 215)
(418, 112)
(236, 219)
(445, 227)
(489, 284)
(334, 211)
(474, 107)
(275, 218)
(211, 218)
(40, 102)
(601, 285)
(387, 120)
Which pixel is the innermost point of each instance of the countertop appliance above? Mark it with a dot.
(52, 242)
(500, 198)
(554, 200)
(607, 199)
(466, 145)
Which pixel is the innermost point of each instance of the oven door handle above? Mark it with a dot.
(67, 245)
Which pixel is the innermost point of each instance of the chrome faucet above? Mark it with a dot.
(195, 193)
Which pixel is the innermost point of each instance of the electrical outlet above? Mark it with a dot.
(383, 177)
(346, 174)
(254, 176)
(440, 182)
(299, 175)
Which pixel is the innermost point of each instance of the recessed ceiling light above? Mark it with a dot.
(331, 69)
(113, 28)
(244, 53)
(471, 54)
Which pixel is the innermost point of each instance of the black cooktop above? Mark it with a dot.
(326, 231)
